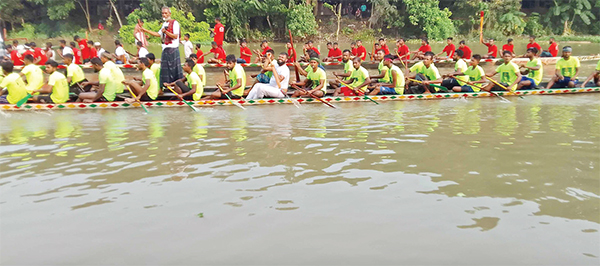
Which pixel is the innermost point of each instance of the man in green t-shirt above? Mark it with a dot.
(12, 82)
(75, 75)
(595, 75)
(315, 83)
(567, 70)
(535, 69)
(348, 68)
(510, 75)
(396, 84)
(194, 88)
(358, 81)
(107, 84)
(57, 87)
(425, 73)
(476, 76)
(457, 78)
(237, 81)
(146, 88)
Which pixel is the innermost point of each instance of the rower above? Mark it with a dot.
(199, 69)
(376, 48)
(316, 80)
(353, 49)
(278, 84)
(76, 53)
(567, 70)
(535, 69)
(383, 46)
(194, 86)
(12, 82)
(57, 86)
(335, 54)
(107, 84)
(115, 70)
(595, 75)
(383, 76)
(49, 52)
(509, 74)
(509, 46)
(82, 44)
(99, 49)
(93, 50)
(361, 51)
(142, 51)
(120, 53)
(396, 84)
(426, 72)
(403, 52)
(237, 81)
(448, 49)
(155, 67)
(16, 55)
(146, 88)
(199, 54)
(425, 47)
(264, 45)
(492, 48)
(457, 78)
(32, 74)
(348, 68)
(475, 74)
(75, 75)
(218, 52)
(39, 57)
(533, 44)
(552, 50)
(466, 50)
(291, 52)
(245, 53)
(64, 49)
(268, 62)
(358, 80)
(309, 45)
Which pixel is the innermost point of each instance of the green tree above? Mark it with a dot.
(432, 20)
(301, 21)
(386, 14)
(569, 12)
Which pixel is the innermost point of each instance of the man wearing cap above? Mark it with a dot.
(567, 70)
(170, 63)
(99, 49)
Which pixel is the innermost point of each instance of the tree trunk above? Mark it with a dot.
(339, 20)
(86, 12)
(270, 26)
(116, 13)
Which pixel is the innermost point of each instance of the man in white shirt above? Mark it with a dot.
(142, 51)
(188, 47)
(99, 49)
(170, 61)
(64, 49)
(120, 53)
(278, 85)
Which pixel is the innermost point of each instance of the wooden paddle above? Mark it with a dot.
(136, 99)
(183, 100)
(491, 92)
(295, 57)
(312, 95)
(433, 85)
(234, 103)
(24, 100)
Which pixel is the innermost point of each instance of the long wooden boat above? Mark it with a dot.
(333, 100)
(369, 64)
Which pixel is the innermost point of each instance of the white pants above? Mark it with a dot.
(262, 90)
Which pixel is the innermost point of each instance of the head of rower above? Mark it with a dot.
(68, 59)
(188, 66)
(462, 44)
(491, 41)
(353, 45)
(270, 55)
(166, 13)
(510, 41)
(475, 60)
(358, 43)
(28, 59)
(214, 45)
(356, 62)
(329, 46)
(551, 41)
(458, 54)
(531, 39)
(90, 44)
(387, 61)
(51, 66)
(335, 45)
(507, 56)
(48, 46)
(377, 46)
(424, 42)
(380, 54)
(282, 59)
(314, 63)
(289, 45)
(32, 45)
(449, 40)
(310, 44)
(144, 63)
(531, 52)
(428, 59)
(244, 43)
(400, 42)
(74, 45)
(152, 58)
(7, 66)
(230, 61)
(264, 44)
(566, 52)
(63, 43)
(106, 57)
(346, 55)
(381, 42)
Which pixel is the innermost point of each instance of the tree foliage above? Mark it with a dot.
(301, 21)
(433, 21)
(567, 12)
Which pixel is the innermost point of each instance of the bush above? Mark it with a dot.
(301, 21)
(199, 31)
(533, 26)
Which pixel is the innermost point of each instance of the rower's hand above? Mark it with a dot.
(582, 85)
(335, 73)
(561, 77)
(180, 97)
(129, 100)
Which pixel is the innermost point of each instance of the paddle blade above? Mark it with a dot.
(482, 12)
(24, 100)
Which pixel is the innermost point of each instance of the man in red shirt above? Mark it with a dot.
(449, 49)
(291, 53)
(533, 44)
(93, 51)
(311, 47)
(466, 50)
(15, 56)
(492, 48)
(425, 47)
(264, 45)
(335, 54)
(28, 50)
(84, 48)
(245, 52)
(552, 50)
(76, 53)
(383, 46)
(199, 54)
(361, 51)
(403, 53)
(219, 32)
(218, 52)
(353, 50)
(509, 46)
(39, 56)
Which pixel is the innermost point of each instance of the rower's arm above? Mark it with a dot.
(519, 77)
(576, 72)
(378, 76)
(367, 82)
(237, 86)
(532, 67)
(190, 92)
(343, 75)
(44, 89)
(99, 92)
(300, 70)
(394, 81)
(491, 74)
(597, 72)
(321, 84)
(37, 60)
(144, 90)
(243, 53)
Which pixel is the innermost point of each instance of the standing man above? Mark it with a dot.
(219, 32)
(188, 47)
(170, 62)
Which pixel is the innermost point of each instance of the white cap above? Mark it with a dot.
(97, 44)
(21, 49)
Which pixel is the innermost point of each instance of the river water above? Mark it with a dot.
(476, 181)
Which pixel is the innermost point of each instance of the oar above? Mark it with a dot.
(433, 85)
(501, 86)
(234, 103)
(295, 102)
(295, 56)
(312, 95)
(184, 101)
(365, 94)
(24, 100)
(136, 99)
(491, 92)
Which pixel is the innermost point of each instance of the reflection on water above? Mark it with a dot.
(475, 170)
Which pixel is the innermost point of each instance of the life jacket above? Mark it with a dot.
(166, 39)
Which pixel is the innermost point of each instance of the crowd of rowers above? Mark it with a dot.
(273, 80)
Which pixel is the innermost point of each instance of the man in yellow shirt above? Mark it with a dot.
(199, 69)
(458, 78)
(75, 75)
(357, 84)
(237, 81)
(155, 67)
(396, 84)
(146, 88)
(316, 80)
(535, 69)
(567, 70)
(194, 87)
(57, 87)
(510, 75)
(115, 70)
(106, 85)
(12, 82)
(427, 73)
(595, 75)
(32, 74)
